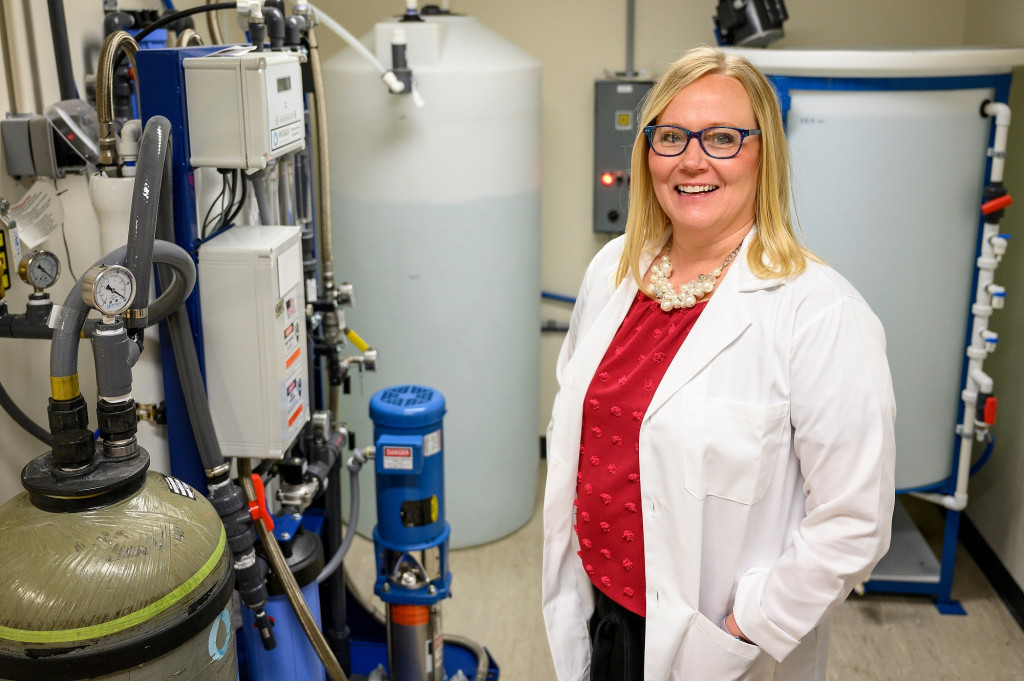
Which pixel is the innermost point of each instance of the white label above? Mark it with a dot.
(283, 136)
(432, 443)
(38, 213)
(398, 458)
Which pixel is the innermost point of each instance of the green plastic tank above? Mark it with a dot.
(136, 589)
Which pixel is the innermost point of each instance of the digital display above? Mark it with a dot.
(284, 84)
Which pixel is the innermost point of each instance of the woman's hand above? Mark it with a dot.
(733, 628)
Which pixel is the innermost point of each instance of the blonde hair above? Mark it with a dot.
(774, 250)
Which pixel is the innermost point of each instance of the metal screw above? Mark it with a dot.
(385, 587)
(431, 589)
(286, 536)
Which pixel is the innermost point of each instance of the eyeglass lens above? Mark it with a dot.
(716, 142)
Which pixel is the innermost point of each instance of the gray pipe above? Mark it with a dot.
(61, 50)
(150, 200)
(259, 190)
(187, 360)
(70, 318)
(354, 466)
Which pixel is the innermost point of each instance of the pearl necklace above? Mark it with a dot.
(661, 288)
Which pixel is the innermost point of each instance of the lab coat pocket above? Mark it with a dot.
(729, 448)
(707, 652)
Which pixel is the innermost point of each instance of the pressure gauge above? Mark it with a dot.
(108, 288)
(39, 269)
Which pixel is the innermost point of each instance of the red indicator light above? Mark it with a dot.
(607, 179)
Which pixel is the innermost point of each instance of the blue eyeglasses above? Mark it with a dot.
(717, 142)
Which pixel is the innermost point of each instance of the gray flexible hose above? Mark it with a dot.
(70, 318)
(355, 465)
(194, 390)
(483, 663)
(150, 197)
(287, 579)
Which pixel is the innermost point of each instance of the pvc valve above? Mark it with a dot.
(991, 339)
(999, 244)
(998, 204)
(985, 410)
(258, 509)
(998, 294)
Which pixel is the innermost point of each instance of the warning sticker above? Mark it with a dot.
(432, 443)
(398, 458)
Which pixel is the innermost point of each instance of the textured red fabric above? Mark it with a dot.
(609, 518)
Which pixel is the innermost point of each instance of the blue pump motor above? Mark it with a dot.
(409, 465)
(411, 536)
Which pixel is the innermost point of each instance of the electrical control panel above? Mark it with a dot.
(616, 105)
(254, 338)
(244, 109)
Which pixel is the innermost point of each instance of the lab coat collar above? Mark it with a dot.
(721, 322)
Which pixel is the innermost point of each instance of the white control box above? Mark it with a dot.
(254, 338)
(244, 109)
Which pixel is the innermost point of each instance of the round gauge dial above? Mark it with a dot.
(109, 289)
(39, 269)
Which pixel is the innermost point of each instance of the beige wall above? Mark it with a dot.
(577, 41)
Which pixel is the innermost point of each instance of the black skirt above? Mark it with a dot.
(616, 642)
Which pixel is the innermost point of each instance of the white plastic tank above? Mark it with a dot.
(889, 159)
(436, 221)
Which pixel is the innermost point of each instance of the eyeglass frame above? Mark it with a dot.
(744, 134)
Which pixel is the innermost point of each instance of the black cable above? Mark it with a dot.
(181, 14)
(241, 202)
(213, 204)
(170, 19)
(33, 428)
(59, 33)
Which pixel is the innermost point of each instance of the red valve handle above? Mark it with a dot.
(992, 206)
(258, 509)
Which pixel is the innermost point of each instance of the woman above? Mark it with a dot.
(720, 455)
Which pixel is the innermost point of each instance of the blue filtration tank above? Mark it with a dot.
(294, 658)
(411, 536)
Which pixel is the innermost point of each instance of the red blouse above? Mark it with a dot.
(609, 521)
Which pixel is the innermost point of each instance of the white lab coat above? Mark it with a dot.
(766, 468)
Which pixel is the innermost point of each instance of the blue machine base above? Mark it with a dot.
(910, 567)
(367, 655)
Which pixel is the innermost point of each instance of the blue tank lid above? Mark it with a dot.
(407, 406)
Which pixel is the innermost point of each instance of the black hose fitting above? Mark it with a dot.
(72, 441)
(117, 421)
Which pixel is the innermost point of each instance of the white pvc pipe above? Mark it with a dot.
(386, 75)
(977, 380)
(1001, 112)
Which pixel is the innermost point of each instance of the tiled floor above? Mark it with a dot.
(496, 602)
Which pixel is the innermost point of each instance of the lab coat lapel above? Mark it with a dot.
(721, 322)
(595, 342)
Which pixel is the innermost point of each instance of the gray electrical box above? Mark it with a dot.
(616, 104)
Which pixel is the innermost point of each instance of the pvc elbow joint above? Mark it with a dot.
(1000, 111)
(394, 84)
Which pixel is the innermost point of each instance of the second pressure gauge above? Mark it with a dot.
(39, 269)
(109, 288)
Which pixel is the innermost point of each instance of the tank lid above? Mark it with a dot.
(886, 63)
(407, 406)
